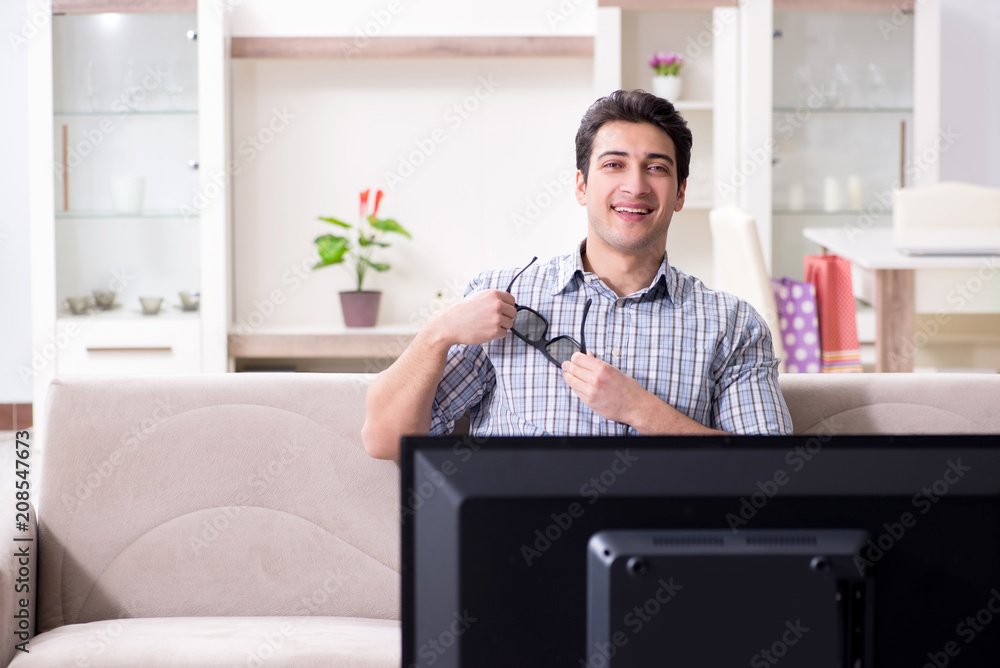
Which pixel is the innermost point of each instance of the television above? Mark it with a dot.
(793, 551)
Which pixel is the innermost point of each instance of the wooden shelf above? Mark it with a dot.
(133, 6)
(412, 47)
(354, 343)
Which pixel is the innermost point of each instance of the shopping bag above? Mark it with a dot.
(840, 351)
(797, 318)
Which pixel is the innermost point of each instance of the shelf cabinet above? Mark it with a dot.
(135, 102)
(843, 114)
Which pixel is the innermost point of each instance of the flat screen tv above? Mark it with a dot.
(711, 551)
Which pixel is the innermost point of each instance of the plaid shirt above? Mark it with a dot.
(706, 353)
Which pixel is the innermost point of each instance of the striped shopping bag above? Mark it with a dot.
(838, 325)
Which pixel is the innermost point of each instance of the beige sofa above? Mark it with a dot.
(234, 520)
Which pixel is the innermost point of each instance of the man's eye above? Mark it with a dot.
(660, 168)
(612, 164)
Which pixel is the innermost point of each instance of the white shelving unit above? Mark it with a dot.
(123, 90)
(708, 39)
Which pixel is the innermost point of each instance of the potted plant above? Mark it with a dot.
(360, 307)
(666, 74)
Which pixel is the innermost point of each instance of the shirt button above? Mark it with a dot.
(614, 352)
(620, 303)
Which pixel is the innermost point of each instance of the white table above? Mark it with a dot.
(899, 285)
(384, 343)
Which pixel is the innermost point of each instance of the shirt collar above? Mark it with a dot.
(571, 269)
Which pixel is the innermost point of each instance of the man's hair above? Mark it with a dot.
(634, 106)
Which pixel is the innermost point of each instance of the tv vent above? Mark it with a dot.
(688, 540)
(807, 540)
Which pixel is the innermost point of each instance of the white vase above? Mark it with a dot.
(667, 86)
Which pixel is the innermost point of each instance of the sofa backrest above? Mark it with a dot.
(214, 495)
(893, 403)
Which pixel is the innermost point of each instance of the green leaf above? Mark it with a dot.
(377, 266)
(331, 248)
(365, 241)
(335, 221)
(388, 225)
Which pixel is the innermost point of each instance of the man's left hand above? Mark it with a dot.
(609, 392)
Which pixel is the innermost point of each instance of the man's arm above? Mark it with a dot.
(400, 398)
(615, 396)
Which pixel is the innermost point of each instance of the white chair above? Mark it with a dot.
(740, 268)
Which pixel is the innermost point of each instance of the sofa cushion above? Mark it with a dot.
(214, 495)
(274, 642)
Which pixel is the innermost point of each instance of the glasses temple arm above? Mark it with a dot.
(518, 274)
(583, 338)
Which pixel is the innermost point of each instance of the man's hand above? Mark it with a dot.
(480, 317)
(609, 392)
(615, 396)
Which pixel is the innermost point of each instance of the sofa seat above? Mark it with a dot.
(274, 642)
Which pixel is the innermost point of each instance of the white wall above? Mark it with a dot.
(970, 90)
(15, 286)
(475, 155)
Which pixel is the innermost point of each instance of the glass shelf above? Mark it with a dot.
(844, 110)
(130, 112)
(108, 215)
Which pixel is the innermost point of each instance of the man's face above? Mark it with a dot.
(631, 191)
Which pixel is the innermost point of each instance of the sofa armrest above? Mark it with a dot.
(18, 566)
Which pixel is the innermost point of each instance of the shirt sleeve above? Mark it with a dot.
(468, 378)
(747, 397)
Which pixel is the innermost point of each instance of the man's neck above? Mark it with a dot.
(624, 274)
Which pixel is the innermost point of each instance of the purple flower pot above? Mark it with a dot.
(360, 308)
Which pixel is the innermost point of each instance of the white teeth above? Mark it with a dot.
(625, 209)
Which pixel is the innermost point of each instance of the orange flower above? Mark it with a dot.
(364, 203)
(378, 199)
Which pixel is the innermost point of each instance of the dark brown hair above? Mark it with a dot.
(634, 106)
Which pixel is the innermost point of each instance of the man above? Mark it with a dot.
(655, 351)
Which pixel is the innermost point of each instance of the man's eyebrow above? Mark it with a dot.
(649, 156)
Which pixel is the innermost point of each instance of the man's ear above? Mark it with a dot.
(680, 196)
(581, 189)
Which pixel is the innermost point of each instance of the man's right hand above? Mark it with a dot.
(481, 317)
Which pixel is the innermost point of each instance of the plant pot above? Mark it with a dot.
(667, 86)
(360, 308)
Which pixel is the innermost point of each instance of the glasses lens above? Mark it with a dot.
(562, 348)
(530, 325)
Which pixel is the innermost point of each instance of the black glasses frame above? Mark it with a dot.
(542, 344)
